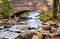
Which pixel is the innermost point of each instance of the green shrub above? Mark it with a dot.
(6, 9)
(46, 16)
(41, 17)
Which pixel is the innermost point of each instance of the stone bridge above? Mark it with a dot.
(21, 6)
(30, 5)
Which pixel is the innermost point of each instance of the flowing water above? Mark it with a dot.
(25, 27)
(30, 24)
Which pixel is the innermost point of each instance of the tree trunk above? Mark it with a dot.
(55, 8)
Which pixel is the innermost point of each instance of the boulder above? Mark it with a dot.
(27, 34)
(47, 27)
(38, 34)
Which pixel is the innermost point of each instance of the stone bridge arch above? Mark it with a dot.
(19, 9)
(19, 12)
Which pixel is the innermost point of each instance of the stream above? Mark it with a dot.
(29, 25)
(26, 28)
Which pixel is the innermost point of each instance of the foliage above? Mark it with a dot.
(46, 16)
(41, 17)
(24, 14)
(6, 9)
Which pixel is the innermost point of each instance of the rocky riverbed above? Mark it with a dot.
(32, 28)
(27, 32)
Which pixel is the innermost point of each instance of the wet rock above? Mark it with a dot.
(47, 27)
(6, 20)
(7, 26)
(1, 27)
(56, 26)
(53, 24)
(44, 20)
(5, 29)
(29, 36)
(18, 31)
(45, 23)
(31, 28)
(52, 31)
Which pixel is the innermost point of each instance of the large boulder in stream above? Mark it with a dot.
(25, 35)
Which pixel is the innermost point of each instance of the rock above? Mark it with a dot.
(38, 34)
(57, 32)
(45, 23)
(1, 21)
(47, 37)
(9, 21)
(19, 37)
(6, 19)
(27, 34)
(35, 37)
(18, 31)
(31, 28)
(54, 25)
(59, 24)
(50, 22)
(7, 26)
(1, 27)
(44, 20)
(47, 27)
(56, 21)
(52, 31)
